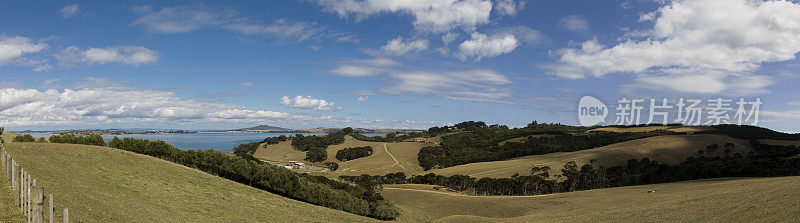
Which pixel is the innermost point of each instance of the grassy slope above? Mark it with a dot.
(8, 211)
(668, 149)
(100, 184)
(687, 129)
(379, 162)
(715, 200)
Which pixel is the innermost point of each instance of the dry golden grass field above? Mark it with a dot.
(714, 200)
(101, 184)
(687, 129)
(386, 157)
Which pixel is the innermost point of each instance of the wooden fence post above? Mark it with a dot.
(15, 183)
(28, 201)
(38, 204)
(66, 215)
(51, 210)
(22, 190)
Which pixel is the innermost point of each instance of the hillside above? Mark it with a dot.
(387, 157)
(666, 149)
(100, 184)
(713, 200)
(9, 212)
(261, 127)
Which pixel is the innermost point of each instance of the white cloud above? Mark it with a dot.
(363, 98)
(687, 45)
(26, 107)
(522, 33)
(471, 85)
(509, 7)
(12, 48)
(362, 68)
(245, 84)
(574, 23)
(182, 19)
(481, 45)
(398, 46)
(69, 11)
(130, 55)
(429, 16)
(448, 38)
(178, 19)
(308, 102)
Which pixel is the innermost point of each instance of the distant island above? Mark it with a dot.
(320, 130)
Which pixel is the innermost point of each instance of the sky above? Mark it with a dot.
(386, 63)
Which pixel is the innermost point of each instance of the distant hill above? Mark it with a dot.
(262, 128)
(320, 130)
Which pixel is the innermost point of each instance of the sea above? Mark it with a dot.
(222, 141)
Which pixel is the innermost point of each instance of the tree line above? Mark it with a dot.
(316, 190)
(93, 139)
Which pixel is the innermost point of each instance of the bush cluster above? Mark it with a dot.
(353, 153)
(93, 139)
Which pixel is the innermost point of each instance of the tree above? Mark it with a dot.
(331, 166)
(348, 130)
(316, 155)
(24, 138)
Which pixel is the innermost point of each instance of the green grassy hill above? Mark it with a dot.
(9, 212)
(714, 200)
(100, 184)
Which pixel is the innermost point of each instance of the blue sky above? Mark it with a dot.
(384, 64)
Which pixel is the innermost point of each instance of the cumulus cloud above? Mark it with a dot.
(363, 98)
(25, 107)
(362, 68)
(69, 11)
(429, 16)
(480, 46)
(687, 46)
(509, 7)
(308, 102)
(574, 23)
(471, 85)
(398, 46)
(12, 48)
(130, 55)
(188, 18)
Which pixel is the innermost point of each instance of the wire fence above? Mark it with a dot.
(29, 197)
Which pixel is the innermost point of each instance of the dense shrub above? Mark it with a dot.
(247, 148)
(93, 139)
(331, 166)
(24, 138)
(312, 189)
(305, 143)
(316, 155)
(353, 153)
